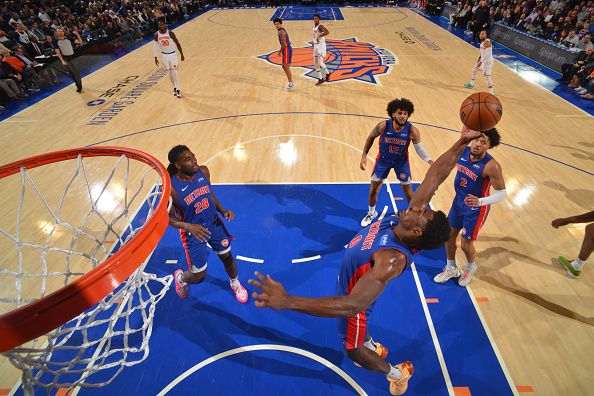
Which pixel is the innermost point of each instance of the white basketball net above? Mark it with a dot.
(111, 208)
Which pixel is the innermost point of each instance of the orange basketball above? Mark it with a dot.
(481, 111)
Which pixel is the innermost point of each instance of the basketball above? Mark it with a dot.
(481, 111)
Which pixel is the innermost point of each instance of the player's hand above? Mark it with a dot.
(200, 232)
(156, 61)
(363, 163)
(468, 134)
(183, 58)
(228, 214)
(559, 222)
(64, 63)
(273, 293)
(471, 200)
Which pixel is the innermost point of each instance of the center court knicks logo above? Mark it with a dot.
(346, 59)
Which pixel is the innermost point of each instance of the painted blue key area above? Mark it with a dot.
(305, 13)
(279, 223)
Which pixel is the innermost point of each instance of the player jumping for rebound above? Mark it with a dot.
(484, 62)
(164, 40)
(375, 256)
(319, 50)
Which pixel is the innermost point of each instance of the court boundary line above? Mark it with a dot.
(542, 156)
(264, 347)
(421, 293)
(502, 364)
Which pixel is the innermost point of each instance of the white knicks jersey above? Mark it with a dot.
(166, 43)
(486, 53)
(316, 32)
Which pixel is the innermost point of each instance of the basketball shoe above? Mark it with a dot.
(178, 93)
(565, 263)
(368, 218)
(328, 76)
(399, 386)
(240, 293)
(290, 86)
(321, 81)
(181, 287)
(469, 85)
(467, 276)
(448, 273)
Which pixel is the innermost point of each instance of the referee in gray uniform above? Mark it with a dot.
(63, 48)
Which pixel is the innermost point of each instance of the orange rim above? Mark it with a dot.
(50, 312)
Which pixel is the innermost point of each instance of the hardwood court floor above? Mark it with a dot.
(237, 118)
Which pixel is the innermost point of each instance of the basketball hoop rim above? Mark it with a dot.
(41, 316)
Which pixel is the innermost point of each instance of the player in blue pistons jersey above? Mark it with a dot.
(375, 256)
(395, 135)
(195, 213)
(477, 172)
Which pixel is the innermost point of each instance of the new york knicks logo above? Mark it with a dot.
(346, 59)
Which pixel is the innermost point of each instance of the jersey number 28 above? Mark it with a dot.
(201, 205)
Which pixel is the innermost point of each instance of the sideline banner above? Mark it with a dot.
(544, 52)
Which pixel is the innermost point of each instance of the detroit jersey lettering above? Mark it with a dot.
(393, 146)
(356, 261)
(194, 200)
(470, 180)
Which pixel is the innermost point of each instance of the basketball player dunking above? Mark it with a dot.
(477, 171)
(375, 256)
(484, 62)
(285, 52)
(395, 136)
(164, 40)
(319, 47)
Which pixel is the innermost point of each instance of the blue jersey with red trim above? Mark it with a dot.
(194, 200)
(393, 146)
(356, 262)
(470, 180)
(280, 38)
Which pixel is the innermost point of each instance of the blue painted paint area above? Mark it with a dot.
(524, 66)
(304, 13)
(278, 223)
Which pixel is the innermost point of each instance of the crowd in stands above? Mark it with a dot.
(28, 28)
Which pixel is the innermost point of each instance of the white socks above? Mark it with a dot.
(577, 264)
(370, 344)
(395, 373)
(371, 209)
(451, 264)
(234, 282)
(471, 267)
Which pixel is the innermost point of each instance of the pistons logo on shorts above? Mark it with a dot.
(225, 243)
(463, 231)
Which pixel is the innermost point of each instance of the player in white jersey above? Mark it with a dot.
(164, 42)
(484, 62)
(319, 40)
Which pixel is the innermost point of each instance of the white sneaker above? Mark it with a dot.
(466, 277)
(448, 273)
(368, 218)
(290, 86)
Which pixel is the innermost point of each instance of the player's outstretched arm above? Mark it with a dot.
(388, 264)
(441, 168)
(583, 218)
